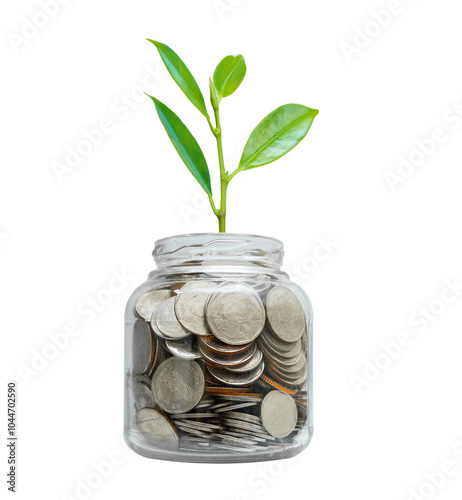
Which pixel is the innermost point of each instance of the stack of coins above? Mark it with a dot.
(219, 365)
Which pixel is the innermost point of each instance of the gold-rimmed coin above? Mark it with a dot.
(157, 429)
(212, 344)
(228, 361)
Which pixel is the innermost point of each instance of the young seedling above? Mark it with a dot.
(273, 137)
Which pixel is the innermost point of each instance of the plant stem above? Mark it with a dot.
(223, 175)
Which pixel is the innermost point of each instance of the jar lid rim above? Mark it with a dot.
(223, 236)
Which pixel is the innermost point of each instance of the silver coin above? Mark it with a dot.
(193, 430)
(287, 381)
(235, 360)
(208, 427)
(236, 407)
(157, 429)
(149, 302)
(279, 345)
(240, 397)
(278, 414)
(235, 313)
(205, 402)
(282, 363)
(298, 365)
(240, 415)
(250, 364)
(194, 415)
(167, 322)
(159, 356)
(144, 379)
(285, 313)
(241, 424)
(295, 349)
(190, 306)
(233, 439)
(186, 348)
(143, 347)
(143, 396)
(217, 346)
(261, 433)
(289, 378)
(237, 379)
(178, 385)
(245, 435)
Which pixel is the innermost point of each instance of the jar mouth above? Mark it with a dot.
(203, 248)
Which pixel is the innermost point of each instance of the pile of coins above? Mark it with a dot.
(219, 366)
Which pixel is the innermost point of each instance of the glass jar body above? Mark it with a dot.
(218, 354)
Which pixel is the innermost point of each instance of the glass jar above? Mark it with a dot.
(218, 353)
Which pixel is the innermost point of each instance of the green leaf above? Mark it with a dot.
(276, 135)
(185, 144)
(182, 76)
(229, 74)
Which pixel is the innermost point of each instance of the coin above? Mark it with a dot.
(237, 379)
(217, 346)
(143, 396)
(159, 356)
(236, 407)
(186, 348)
(250, 364)
(247, 435)
(295, 365)
(269, 383)
(167, 322)
(292, 380)
(190, 306)
(143, 347)
(284, 349)
(178, 385)
(235, 313)
(194, 415)
(157, 429)
(243, 396)
(206, 426)
(235, 360)
(217, 390)
(239, 415)
(286, 317)
(278, 414)
(149, 302)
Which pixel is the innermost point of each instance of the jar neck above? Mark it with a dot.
(228, 250)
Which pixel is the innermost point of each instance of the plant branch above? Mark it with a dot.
(212, 204)
(223, 175)
(212, 128)
(232, 174)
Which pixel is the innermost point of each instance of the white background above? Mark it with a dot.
(391, 249)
